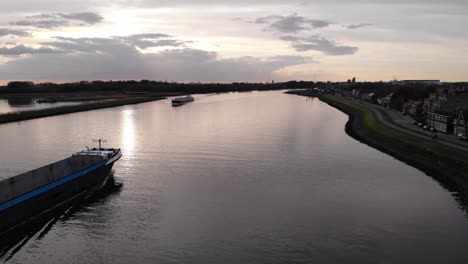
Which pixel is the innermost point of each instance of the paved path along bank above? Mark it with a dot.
(396, 119)
(411, 129)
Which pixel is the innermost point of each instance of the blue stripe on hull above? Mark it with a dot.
(49, 186)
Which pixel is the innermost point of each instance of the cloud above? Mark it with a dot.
(89, 18)
(49, 24)
(208, 66)
(290, 38)
(13, 32)
(56, 20)
(21, 50)
(267, 19)
(149, 36)
(356, 26)
(86, 45)
(103, 45)
(292, 23)
(65, 45)
(152, 40)
(319, 43)
(114, 59)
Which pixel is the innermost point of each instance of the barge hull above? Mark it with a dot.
(25, 207)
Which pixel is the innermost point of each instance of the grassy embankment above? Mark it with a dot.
(448, 165)
(26, 115)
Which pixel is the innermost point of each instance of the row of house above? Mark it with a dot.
(460, 124)
(385, 101)
(450, 122)
(414, 108)
(365, 96)
(446, 113)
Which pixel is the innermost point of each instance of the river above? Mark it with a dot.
(259, 177)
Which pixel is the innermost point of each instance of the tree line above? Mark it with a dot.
(148, 86)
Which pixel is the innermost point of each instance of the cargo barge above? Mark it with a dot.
(182, 100)
(29, 195)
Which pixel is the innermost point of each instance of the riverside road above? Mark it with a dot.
(405, 124)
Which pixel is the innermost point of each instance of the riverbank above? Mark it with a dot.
(33, 114)
(447, 165)
(307, 92)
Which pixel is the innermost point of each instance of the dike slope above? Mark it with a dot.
(27, 115)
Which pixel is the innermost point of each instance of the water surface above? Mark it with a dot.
(257, 177)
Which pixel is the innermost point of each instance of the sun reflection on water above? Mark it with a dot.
(127, 136)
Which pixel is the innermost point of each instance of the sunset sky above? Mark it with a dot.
(227, 41)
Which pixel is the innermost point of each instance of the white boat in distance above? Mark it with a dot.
(182, 100)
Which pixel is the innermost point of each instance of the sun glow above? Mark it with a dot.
(122, 23)
(127, 138)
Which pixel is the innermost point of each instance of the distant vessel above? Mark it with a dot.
(27, 196)
(182, 100)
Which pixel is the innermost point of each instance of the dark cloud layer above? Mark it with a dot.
(356, 26)
(152, 40)
(21, 50)
(292, 23)
(89, 18)
(208, 66)
(56, 20)
(65, 45)
(318, 43)
(295, 24)
(121, 58)
(13, 32)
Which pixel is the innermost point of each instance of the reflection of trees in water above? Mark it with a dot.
(18, 102)
(457, 185)
(12, 243)
(459, 193)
